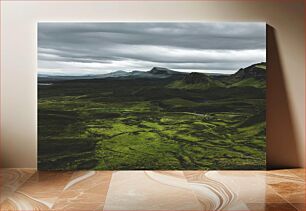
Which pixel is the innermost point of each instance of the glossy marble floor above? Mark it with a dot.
(27, 189)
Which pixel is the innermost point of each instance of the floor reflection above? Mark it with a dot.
(27, 189)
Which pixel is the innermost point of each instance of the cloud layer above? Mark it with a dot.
(97, 48)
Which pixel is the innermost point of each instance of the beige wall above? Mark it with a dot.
(286, 62)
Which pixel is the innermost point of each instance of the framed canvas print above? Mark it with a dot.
(151, 95)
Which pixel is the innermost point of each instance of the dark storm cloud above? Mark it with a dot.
(81, 48)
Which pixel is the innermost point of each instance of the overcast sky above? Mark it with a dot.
(98, 48)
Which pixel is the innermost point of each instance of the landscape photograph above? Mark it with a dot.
(151, 95)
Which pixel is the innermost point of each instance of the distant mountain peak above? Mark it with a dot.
(194, 78)
(162, 70)
(255, 70)
(119, 71)
(159, 68)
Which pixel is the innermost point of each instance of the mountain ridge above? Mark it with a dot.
(257, 71)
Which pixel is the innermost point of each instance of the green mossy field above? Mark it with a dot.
(135, 124)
